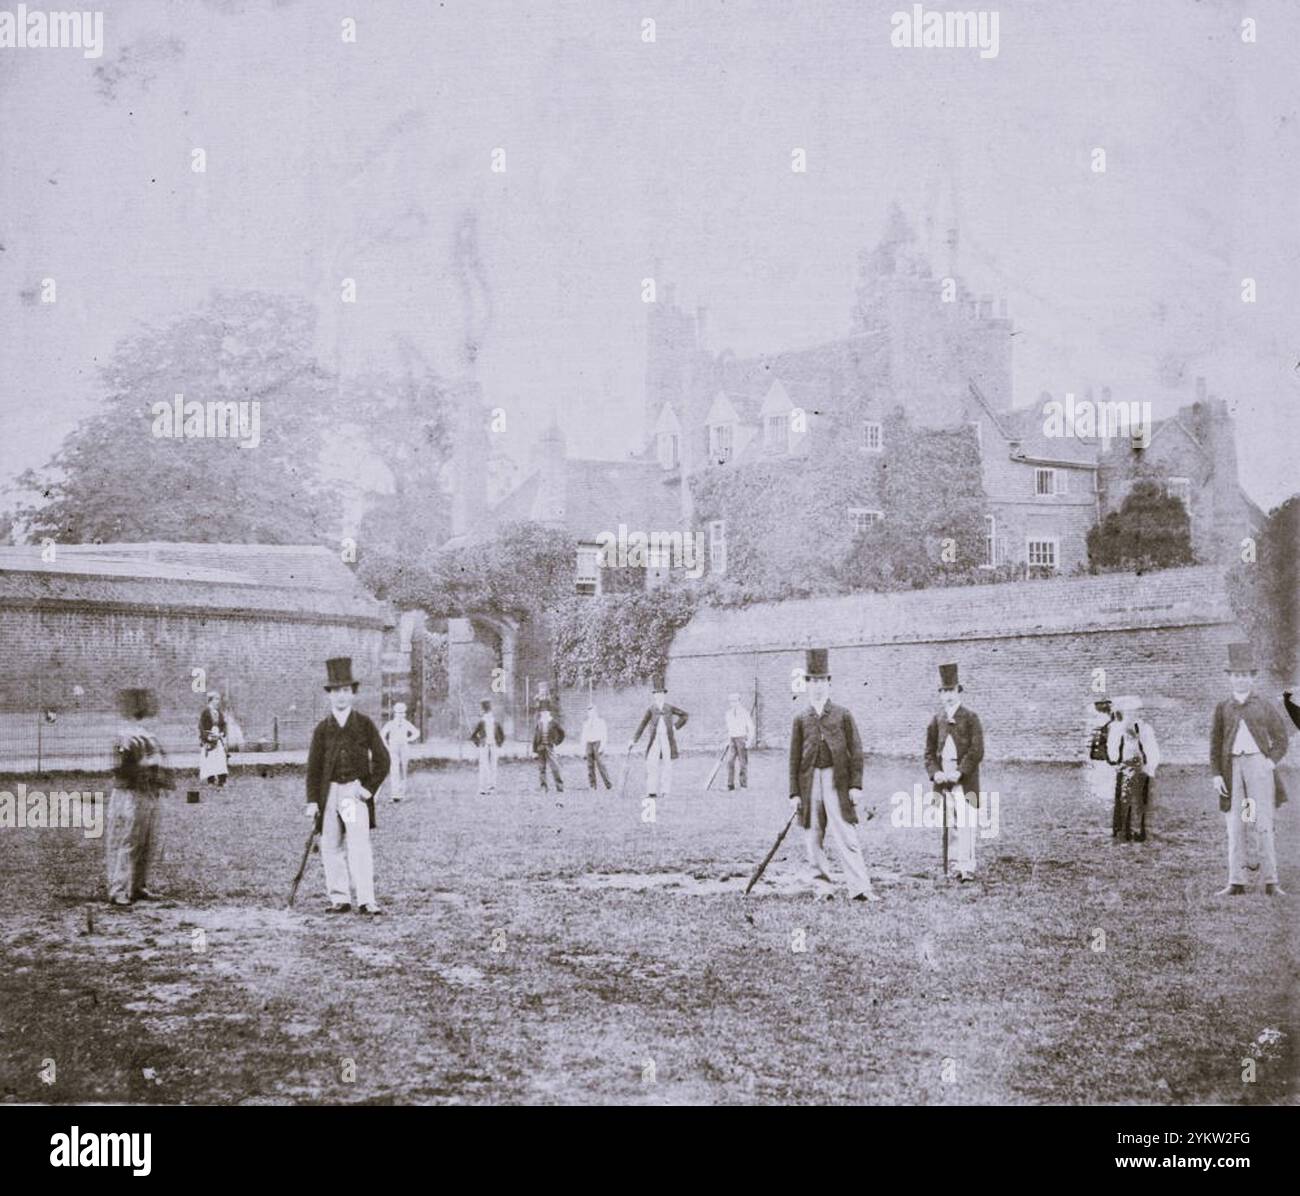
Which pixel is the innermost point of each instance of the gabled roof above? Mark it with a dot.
(733, 407)
(1024, 425)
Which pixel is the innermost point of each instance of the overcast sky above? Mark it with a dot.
(327, 160)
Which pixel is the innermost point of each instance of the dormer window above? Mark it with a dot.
(720, 443)
(776, 434)
(667, 447)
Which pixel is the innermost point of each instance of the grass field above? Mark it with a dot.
(560, 949)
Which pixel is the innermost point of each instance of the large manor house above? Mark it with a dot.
(921, 346)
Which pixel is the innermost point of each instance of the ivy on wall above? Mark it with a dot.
(618, 639)
(789, 533)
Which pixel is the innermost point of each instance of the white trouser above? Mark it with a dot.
(397, 775)
(487, 767)
(1250, 839)
(963, 821)
(345, 846)
(826, 809)
(659, 766)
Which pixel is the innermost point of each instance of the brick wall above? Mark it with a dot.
(270, 665)
(1027, 653)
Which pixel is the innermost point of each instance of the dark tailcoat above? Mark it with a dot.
(553, 738)
(1292, 709)
(1266, 726)
(836, 727)
(480, 733)
(967, 737)
(353, 751)
(674, 720)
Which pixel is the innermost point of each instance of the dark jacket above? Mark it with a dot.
(1292, 709)
(1266, 726)
(209, 727)
(836, 726)
(553, 738)
(967, 737)
(674, 720)
(363, 752)
(480, 733)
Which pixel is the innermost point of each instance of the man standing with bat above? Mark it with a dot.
(954, 747)
(826, 781)
(346, 764)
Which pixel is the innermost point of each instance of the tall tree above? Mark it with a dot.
(1150, 530)
(118, 476)
(1265, 591)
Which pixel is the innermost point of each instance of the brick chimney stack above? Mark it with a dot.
(549, 458)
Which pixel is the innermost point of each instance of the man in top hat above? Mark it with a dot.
(346, 764)
(488, 736)
(594, 734)
(1247, 740)
(664, 721)
(547, 736)
(140, 775)
(740, 738)
(826, 780)
(954, 747)
(398, 733)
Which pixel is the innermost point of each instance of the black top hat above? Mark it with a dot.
(137, 703)
(948, 677)
(1241, 658)
(1102, 704)
(339, 672)
(485, 704)
(660, 684)
(817, 663)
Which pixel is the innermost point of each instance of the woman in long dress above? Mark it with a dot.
(213, 765)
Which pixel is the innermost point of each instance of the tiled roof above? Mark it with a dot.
(307, 565)
(303, 581)
(1025, 424)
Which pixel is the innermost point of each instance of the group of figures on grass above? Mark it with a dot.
(1248, 739)
(349, 759)
(661, 718)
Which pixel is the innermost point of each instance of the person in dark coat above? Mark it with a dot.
(1248, 739)
(346, 764)
(826, 781)
(547, 736)
(954, 747)
(140, 777)
(664, 721)
(487, 736)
